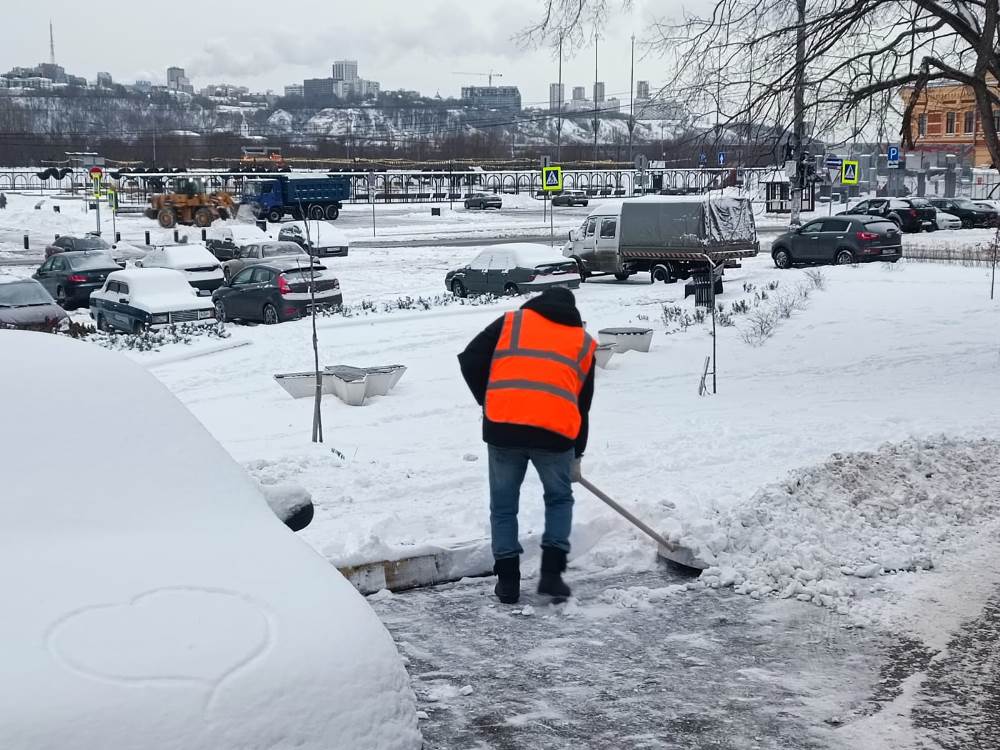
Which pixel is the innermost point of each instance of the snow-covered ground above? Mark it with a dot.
(883, 353)
(879, 353)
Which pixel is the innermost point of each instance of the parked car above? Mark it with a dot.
(159, 603)
(909, 214)
(322, 240)
(223, 241)
(122, 252)
(140, 298)
(249, 254)
(839, 239)
(25, 304)
(71, 277)
(482, 201)
(948, 221)
(571, 198)
(967, 211)
(513, 269)
(275, 290)
(202, 269)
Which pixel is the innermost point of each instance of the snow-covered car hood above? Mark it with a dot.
(163, 605)
(31, 315)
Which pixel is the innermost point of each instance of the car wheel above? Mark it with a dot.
(966, 224)
(332, 212)
(274, 216)
(782, 258)
(844, 257)
(458, 288)
(270, 315)
(137, 327)
(664, 273)
(466, 204)
(220, 311)
(61, 298)
(316, 213)
(582, 268)
(622, 275)
(102, 324)
(203, 217)
(511, 290)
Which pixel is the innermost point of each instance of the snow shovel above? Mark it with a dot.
(681, 556)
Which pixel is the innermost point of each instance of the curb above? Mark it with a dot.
(444, 565)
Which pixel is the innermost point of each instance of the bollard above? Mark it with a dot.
(147, 236)
(262, 225)
(177, 235)
(26, 241)
(204, 235)
(56, 209)
(118, 236)
(435, 211)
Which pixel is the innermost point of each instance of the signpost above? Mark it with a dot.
(893, 157)
(641, 164)
(96, 173)
(849, 172)
(552, 182)
(371, 193)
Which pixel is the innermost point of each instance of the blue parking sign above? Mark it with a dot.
(893, 153)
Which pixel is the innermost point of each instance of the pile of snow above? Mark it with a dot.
(859, 515)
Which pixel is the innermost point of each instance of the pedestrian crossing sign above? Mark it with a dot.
(552, 179)
(849, 173)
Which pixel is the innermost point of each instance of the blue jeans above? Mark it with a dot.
(507, 469)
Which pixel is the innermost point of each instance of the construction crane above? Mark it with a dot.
(489, 76)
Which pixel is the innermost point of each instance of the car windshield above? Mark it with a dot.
(251, 188)
(276, 249)
(91, 243)
(23, 294)
(91, 261)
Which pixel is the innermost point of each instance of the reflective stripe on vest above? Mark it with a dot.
(534, 386)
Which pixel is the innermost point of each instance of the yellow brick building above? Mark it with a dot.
(946, 119)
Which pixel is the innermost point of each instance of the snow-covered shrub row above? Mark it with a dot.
(370, 307)
(904, 507)
(150, 339)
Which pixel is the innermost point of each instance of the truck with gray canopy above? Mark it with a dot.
(665, 236)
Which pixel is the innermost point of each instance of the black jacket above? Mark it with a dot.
(477, 358)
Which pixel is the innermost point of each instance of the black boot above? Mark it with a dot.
(508, 588)
(551, 582)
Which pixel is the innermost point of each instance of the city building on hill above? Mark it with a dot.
(295, 89)
(492, 97)
(557, 95)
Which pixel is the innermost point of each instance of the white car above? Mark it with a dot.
(152, 599)
(202, 269)
(139, 298)
(948, 221)
(513, 269)
(317, 237)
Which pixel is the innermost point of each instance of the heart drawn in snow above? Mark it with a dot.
(167, 635)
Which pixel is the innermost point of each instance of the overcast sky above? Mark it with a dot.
(266, 45)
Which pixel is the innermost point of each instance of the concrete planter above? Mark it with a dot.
(353, 385)
(298, 384)
(626, 339)
(603, 354)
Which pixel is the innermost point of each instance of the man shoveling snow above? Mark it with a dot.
(532, 371)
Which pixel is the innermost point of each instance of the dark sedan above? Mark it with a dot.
(25, 304)
(840, 239)
(275, 291)
(970, 214)
(513, 269)
(909, 214)
(71, 277)
(483, 201)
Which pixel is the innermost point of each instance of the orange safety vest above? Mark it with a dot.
(538, 370)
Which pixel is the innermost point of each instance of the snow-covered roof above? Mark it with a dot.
(196, 254)
(321, 233)
(527, 255)
(178, 611)
(150, 281)
(237, 231)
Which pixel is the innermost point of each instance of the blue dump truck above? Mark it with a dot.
(302, 197)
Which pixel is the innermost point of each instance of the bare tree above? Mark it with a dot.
(861, 64)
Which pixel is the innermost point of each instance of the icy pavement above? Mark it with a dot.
(691, 670)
